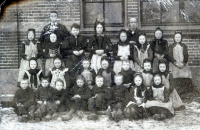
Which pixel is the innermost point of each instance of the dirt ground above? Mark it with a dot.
(187, 119)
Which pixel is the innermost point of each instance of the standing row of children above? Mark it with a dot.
(132, 79)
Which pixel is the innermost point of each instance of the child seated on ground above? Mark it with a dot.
(136, 98)
(96, 102)
(59, 72)
(167, 81)
(147, 73)
(43, 100)
(160, 105)
(118, 98)
(106, 72)
(127, 73)
(23, 101)
(80, 94)
(87, 72)
(34, 75)
(60, 99)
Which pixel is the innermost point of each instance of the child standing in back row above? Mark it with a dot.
(73, 50)
(99, 44)
(28, 50)
(159, 47)
(142, 50)
(178, 56)
(122, 51)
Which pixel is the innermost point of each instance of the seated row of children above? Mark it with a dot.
(125, 95)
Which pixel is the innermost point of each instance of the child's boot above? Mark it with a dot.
(93, 115)
(47, 118)
(68, 116)
(163, 116)
(54, 116)
(38, 114)
(119, 115)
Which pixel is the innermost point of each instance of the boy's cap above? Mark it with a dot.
(75, 25)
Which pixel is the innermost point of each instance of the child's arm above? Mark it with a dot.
(22, 51)
(166, 49)
(185, 54)
(50, 75)
(115, 51)
(136, 59)
(166, 95)
(62, 32)
(150, 53)
(170, 55)
(87, 94)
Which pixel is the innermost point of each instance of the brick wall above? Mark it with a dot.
(34, 14)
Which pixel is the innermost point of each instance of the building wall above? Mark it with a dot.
(34, 14)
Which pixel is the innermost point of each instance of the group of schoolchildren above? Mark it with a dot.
(132, 79)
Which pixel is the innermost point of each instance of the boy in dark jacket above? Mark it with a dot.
(118, 98)
(60, 98)
(80, 94)
(96, 102)
(23, 101)
(127, 73)
(73, 50)
(43, 98)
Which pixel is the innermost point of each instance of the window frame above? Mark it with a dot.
(180, 23)
(109, 26)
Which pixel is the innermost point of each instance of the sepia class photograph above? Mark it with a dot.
(99, 64)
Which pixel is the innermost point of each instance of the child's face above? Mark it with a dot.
(147, 66)
(123, 37)
(31, 36)
(57, 63)
(162, 67)
(177, 38)
(158, 34)
(157, 80)
(86, 64)
(126, 66)
(99, 82)
(80, 82)
(118, 80)
(59, 85)
(75, 31)
(138, 80)
(99, 29)
(133, 22)
(142, 39)
(104, 64)
(24, 84)
(53, 17)
(45, 83)
(33, 64)
(53, 38)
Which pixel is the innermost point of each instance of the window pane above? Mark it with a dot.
(170, 12)
(112, 0)
(191, 12)
(93, 0)
(113, 12)
(151, 13)
(91, 12)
